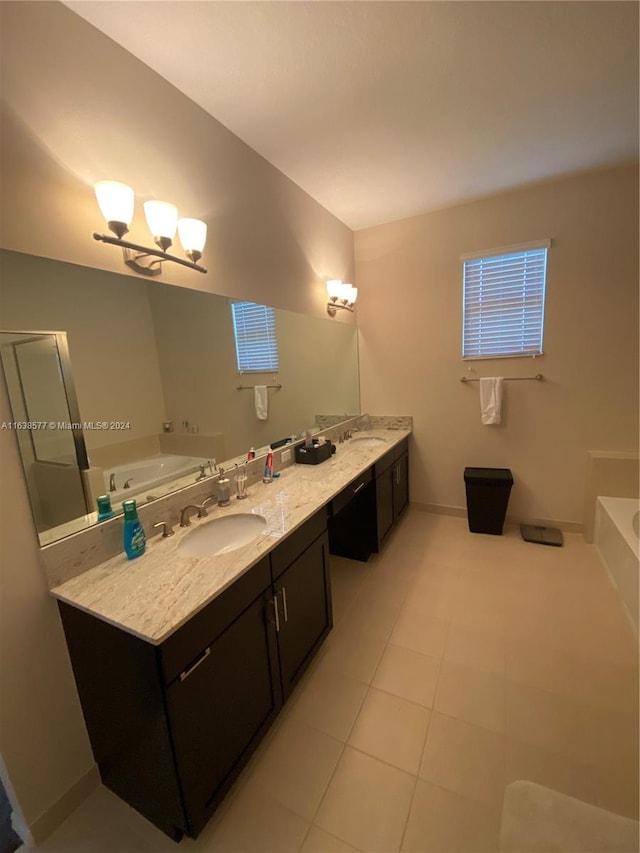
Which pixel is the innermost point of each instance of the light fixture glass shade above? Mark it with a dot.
(345, 293)
(115, 201)
(334, 288)
(162, 219)
(353, 295)
(193, 236)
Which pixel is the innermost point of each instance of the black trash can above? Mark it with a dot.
(488, 491)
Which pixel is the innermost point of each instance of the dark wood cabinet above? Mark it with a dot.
(365, 513)
(171, 726)
(220, 707)
(385, 515)
(302, 595)
(401, 486)
(392, 490)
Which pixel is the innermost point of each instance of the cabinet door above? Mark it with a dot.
(385, 504)
(401, 486)
(303, 597)
(220, 706)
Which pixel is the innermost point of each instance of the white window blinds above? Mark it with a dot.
(504, 302)
(254, 327)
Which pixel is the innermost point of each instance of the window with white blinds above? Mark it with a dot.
(504, 302)
(254, 327)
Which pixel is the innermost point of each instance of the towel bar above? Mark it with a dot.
(538, 376)
(250, 387)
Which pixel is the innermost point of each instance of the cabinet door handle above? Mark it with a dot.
(398, 475)
(357, 488)
(284, 604)
(187, 672)
(275, 608)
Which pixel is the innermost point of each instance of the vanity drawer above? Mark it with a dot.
(181, 649)
(350, 491)
(389, 458)
(297, 542)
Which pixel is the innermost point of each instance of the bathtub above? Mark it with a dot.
(616, 540)
(147, 476)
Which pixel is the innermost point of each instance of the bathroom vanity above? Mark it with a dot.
(182, 663)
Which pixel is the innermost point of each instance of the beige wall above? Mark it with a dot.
(410, 277)
(43, 740)
(79, 109)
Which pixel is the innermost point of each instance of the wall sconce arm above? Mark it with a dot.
(153, 267)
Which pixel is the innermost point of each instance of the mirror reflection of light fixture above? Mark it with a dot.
(342, 296)
(116, 201)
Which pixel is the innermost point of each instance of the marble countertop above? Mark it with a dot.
(155, 594)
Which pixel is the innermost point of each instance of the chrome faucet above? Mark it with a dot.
(112, 483)
(127, 483)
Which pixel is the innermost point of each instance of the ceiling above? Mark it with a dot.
(383, 110)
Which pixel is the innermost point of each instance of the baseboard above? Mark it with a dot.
(461, 512)
(51, 819)
(567, 526)
(439, 509)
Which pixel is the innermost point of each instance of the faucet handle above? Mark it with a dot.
(166, 530)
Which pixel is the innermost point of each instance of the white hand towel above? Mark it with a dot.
(491, 399)
(261, 398)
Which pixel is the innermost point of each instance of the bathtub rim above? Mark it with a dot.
(622, 511)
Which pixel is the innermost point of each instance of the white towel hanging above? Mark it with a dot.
(261, 398)
(491, 399)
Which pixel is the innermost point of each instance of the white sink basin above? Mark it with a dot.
(368, 440)
(222, 535)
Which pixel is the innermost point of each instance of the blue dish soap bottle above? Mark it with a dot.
(134, 538)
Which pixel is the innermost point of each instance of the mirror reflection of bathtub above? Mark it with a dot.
(147, 476)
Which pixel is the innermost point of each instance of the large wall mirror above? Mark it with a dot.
(157, 384)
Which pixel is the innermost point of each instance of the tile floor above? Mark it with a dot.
(458, 663)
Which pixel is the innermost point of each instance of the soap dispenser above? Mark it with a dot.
(224, 489)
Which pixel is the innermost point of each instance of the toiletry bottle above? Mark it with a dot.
(268, 469)
(251, 454)
(224, 489)
(104, 508)
(134, 538)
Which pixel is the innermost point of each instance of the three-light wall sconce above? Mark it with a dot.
(342, 296)
(116, 201)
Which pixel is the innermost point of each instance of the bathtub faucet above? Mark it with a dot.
(127, 483)
(112, 483)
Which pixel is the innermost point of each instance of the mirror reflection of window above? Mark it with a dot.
(254, 329)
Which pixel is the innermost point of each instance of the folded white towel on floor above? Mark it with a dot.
(491, 399)
(261, 397)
